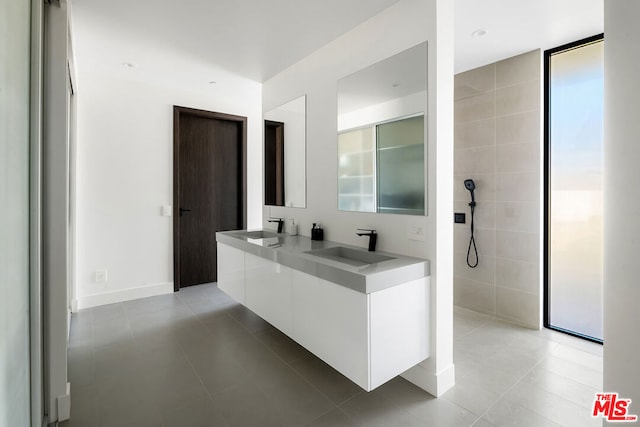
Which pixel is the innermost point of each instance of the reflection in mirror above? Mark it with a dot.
(285, 155)
(273, 163)
(381, 135)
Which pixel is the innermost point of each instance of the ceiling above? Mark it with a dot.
(517, 26)
(257, 38)
(253, 38)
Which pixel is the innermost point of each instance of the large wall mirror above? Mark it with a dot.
(285, 182)
(381, 135)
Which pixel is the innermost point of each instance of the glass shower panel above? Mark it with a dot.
(575, 287)
(400, 186)
(356, 170)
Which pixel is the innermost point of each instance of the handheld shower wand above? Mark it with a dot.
(471, 186)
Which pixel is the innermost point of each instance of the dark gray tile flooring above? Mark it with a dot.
(197, 358)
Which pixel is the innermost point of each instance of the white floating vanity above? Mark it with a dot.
(363, 313)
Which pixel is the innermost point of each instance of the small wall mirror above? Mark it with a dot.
(381, 135)
(285, 134)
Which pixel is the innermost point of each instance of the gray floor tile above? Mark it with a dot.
(472, 396)
(81, 370)
(375, 409)
(552, 406)
(196, 413)
(159, 303)
(330, 382)
(84, 408)
(286, 348)
(114, 333)
(334, 418)
(216, 366)
(244, 405)
(442, 412)
(508, 413)
(197, 358)
(574, 391)
(224, 329)
(297, 400)
(174, 384)
(579, 373)
(209, 310)
(159, 320)
(106, 314)
(249, 319)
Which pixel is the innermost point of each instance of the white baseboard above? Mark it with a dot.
(64, 405)
(434, 383)
(124, 295)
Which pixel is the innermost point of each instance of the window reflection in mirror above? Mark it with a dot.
(381, 168)
(381, 136)
(285, 155)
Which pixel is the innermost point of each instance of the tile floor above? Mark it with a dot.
(196, 358)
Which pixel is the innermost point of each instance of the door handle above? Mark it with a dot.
(182, 210)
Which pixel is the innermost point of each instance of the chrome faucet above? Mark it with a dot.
(280, 222)
(373, 238)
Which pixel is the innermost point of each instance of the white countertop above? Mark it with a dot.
(290, 251)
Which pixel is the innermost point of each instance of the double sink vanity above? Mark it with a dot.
(366, 314)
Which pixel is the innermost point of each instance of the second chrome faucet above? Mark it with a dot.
(373, 237)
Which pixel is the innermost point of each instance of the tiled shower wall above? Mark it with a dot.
(498, 145)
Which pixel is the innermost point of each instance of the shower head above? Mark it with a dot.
(469, 185)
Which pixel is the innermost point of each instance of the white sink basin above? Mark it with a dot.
(354, 257)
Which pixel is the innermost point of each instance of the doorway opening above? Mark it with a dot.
(209, 189)
(573, 220)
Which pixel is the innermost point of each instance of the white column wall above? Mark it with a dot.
(622, 200)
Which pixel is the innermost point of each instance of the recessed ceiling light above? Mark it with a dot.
(212, 82)
(480, 32)
(127, 65)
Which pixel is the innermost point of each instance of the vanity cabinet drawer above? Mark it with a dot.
(331, 321)
(268, 291)
(369, 338)
(231, 272)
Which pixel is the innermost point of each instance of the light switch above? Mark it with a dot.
(415, 232)
(166, 210)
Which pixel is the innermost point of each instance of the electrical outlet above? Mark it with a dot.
(415, 232)
(100, 276)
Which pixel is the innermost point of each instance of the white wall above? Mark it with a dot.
(14, 215)
(400, 27)
(622, 200)
(125, 174)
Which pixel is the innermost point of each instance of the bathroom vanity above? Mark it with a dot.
(366, 314)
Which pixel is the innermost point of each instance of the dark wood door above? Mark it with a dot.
(209, 189)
